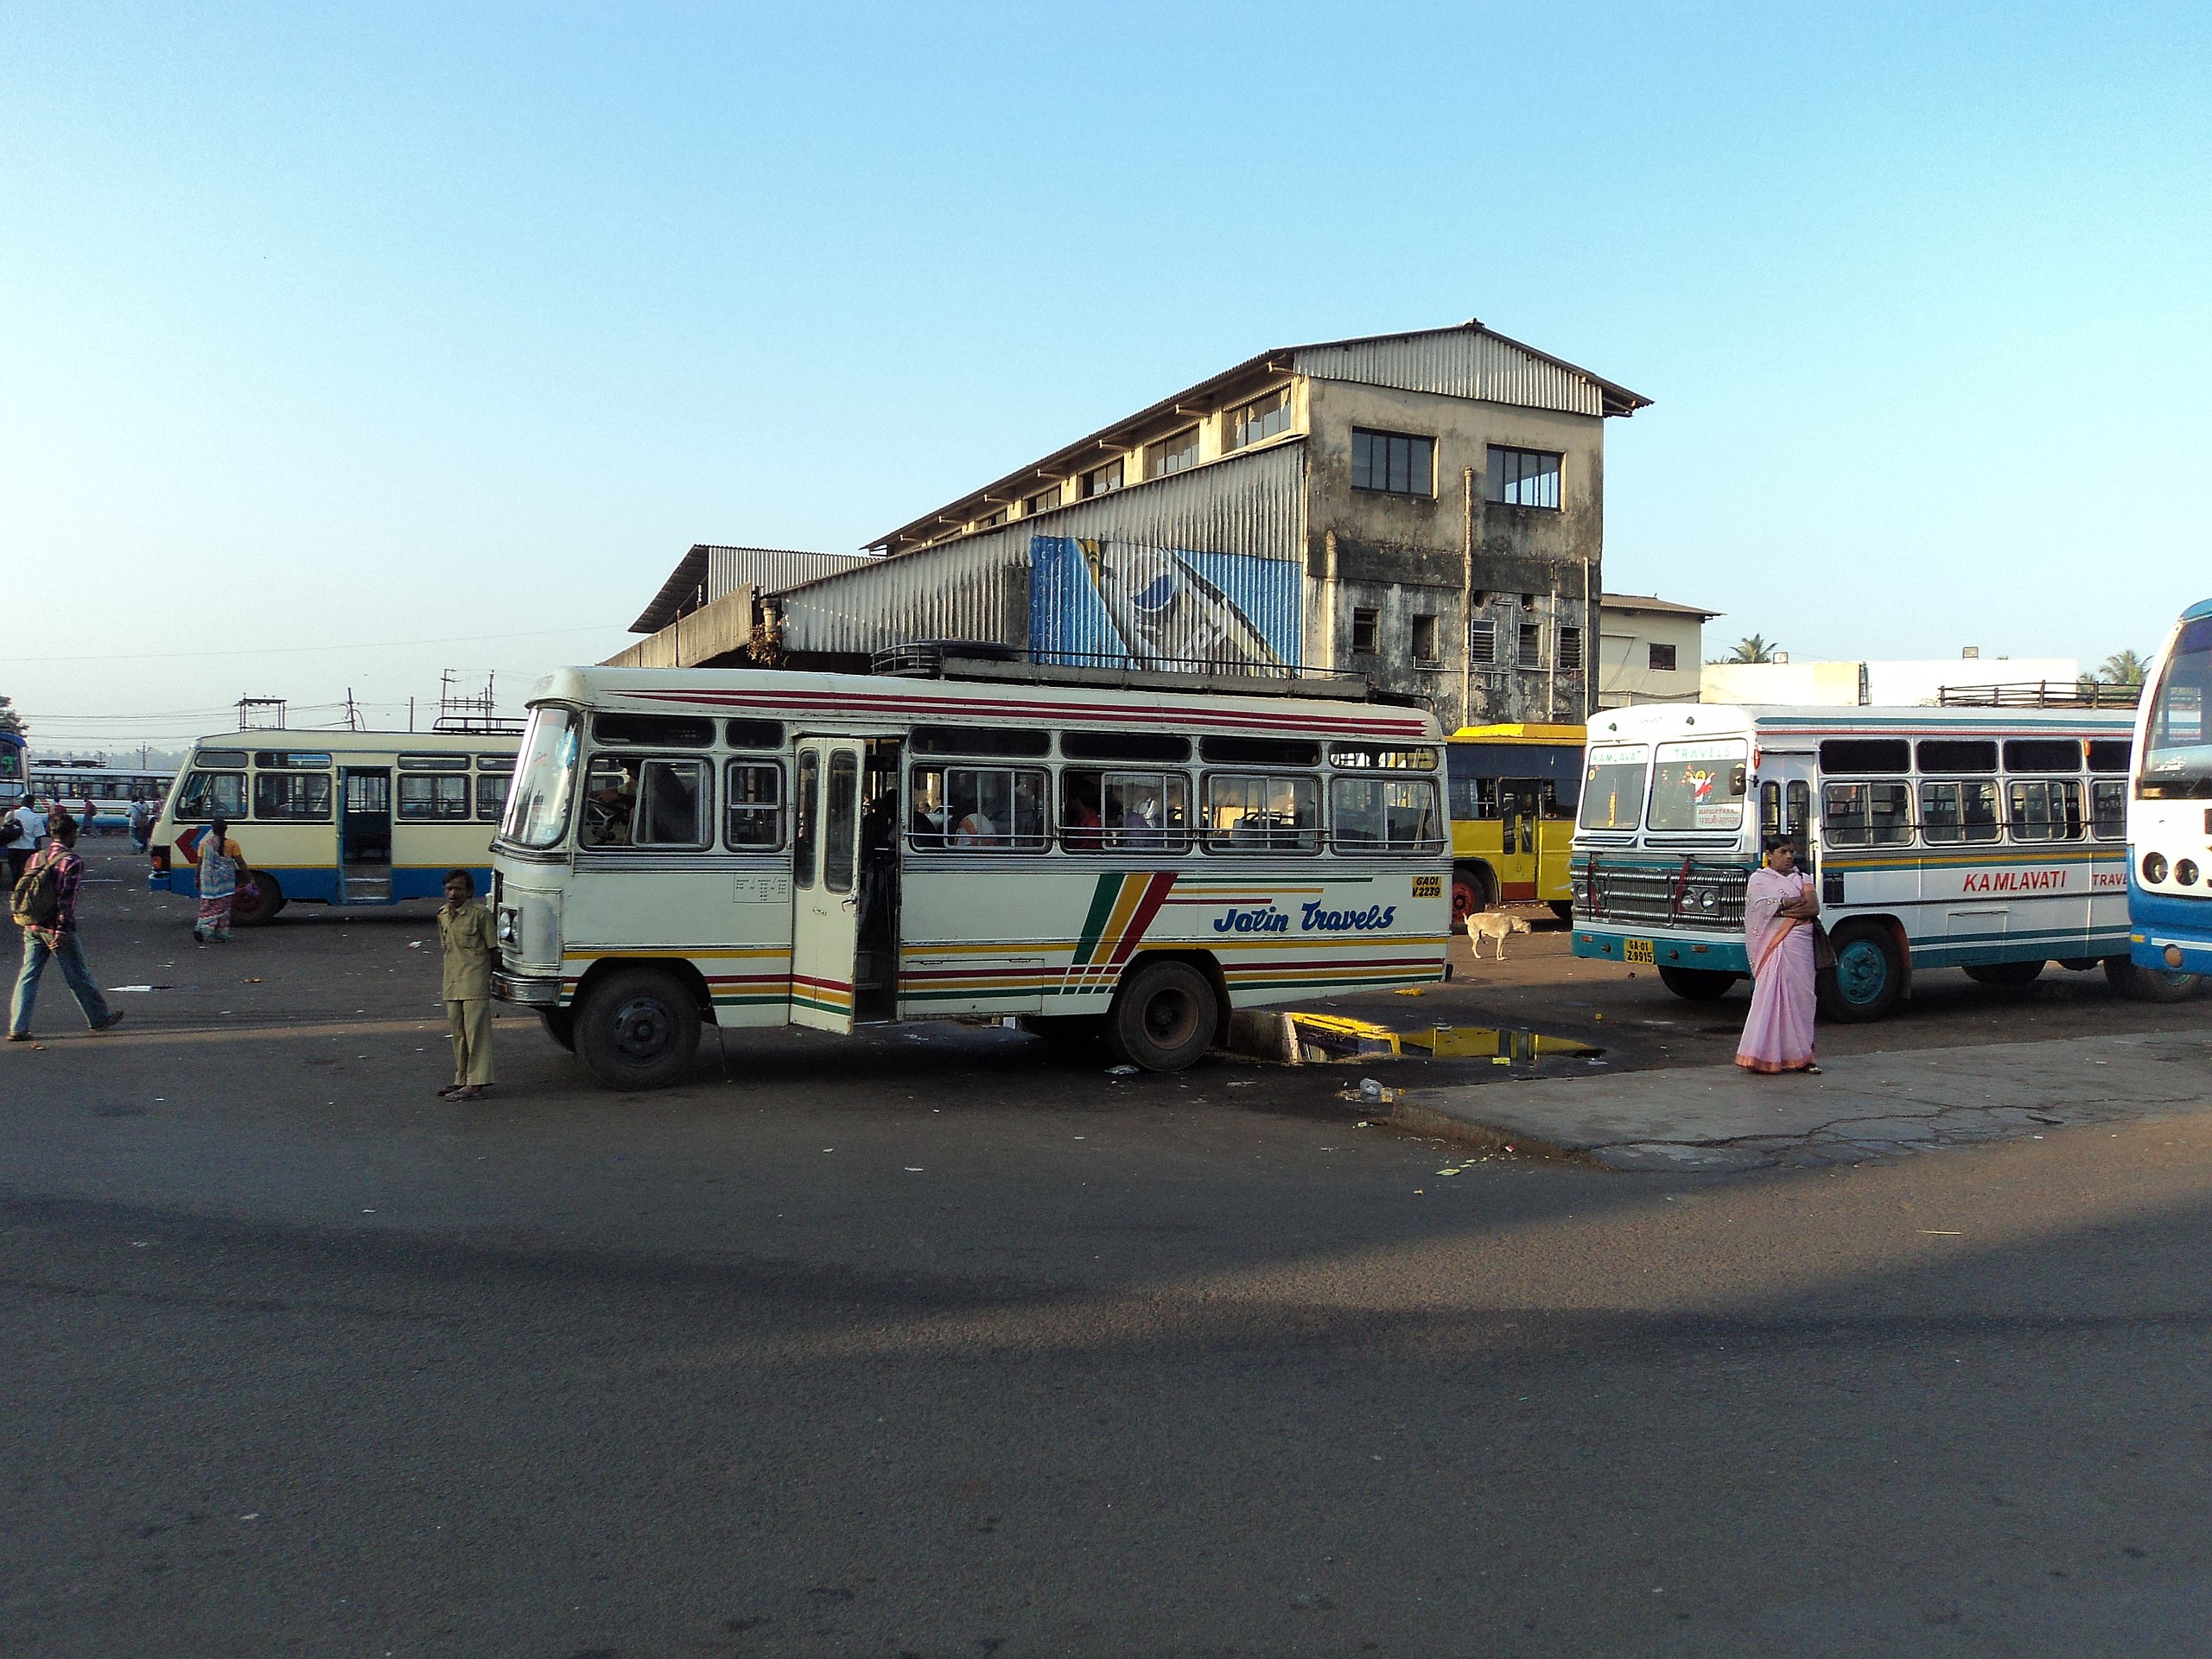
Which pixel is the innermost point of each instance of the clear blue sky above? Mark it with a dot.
(332, 328)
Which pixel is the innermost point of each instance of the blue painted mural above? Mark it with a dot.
(1114, 602)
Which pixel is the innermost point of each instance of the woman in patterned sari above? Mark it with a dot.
(1779, 910)
(222, 866)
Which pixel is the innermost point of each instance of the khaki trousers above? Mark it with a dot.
(469, 1025)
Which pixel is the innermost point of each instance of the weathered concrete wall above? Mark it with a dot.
(716, 631)
(1406, 557)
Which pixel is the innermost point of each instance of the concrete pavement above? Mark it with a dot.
(1858, 1106)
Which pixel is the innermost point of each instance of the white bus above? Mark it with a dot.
(2170, 815)
(338, 817)
(1992, 840)
(759, 849)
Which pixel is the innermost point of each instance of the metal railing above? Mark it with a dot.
(2042, 694)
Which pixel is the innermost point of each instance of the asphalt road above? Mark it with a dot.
(938, 1342)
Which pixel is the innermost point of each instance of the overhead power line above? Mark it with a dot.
(274, 651)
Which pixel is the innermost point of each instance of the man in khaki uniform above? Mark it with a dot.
(466, 936)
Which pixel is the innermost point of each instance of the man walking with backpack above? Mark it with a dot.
(44, 904)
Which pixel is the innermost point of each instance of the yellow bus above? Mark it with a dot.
(1514, 789)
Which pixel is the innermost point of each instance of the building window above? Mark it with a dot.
(1259, 419)
(1175, 454)
(1393, 462)
(1363, 631)
(1532, 645)
(1425, 642)
(1663, 658)
(1482, 641)
(1523, 478)
(1104, 480)
(1570, 648)
(1043, 501)
(993, 522)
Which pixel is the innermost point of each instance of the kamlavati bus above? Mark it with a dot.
(1984, 838)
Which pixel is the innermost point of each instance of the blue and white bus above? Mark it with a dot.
(2170, 814)
(12, 746)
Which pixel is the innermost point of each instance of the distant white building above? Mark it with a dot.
(1648, 650)
(1844, 685)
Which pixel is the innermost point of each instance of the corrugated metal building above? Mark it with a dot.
(1427, 508)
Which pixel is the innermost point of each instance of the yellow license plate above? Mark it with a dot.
(1635, 950)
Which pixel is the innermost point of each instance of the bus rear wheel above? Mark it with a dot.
(638, 1028)
(2005, 973)
(268, 899)
(1869, 974)
(1697, 984)
(2150, 984)
(1163, 1017)
(1473, 891)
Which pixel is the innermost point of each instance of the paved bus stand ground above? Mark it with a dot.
(942, 1340)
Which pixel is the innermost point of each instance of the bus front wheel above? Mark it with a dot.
(1163, 1017)
(1869, 974)
(560, 1027)
(1697, 984)
(2149, 984)
(638, 1028)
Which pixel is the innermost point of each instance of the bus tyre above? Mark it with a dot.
(268, 900)
(1697, 984)
(1163, 1017)
(2150, 984)
(2005, 973)
(1868, 978)
(560, 1027)
(1473, 891)
(638, 1028)
(1564, 909)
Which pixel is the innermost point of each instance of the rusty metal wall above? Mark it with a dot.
(977, 588)
(1458, 364)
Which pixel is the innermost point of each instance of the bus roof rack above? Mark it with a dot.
(985, 659)
(482, 725)
(2042, 694)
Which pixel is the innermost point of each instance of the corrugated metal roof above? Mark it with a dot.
(709, 570)
(1500, 370)
(978, 588)
(1658, 607)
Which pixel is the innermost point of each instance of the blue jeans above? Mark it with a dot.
(70, 956)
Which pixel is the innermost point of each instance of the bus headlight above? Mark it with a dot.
(2185, 872)
(1707, 898)
(2154, 868)
(509, 933)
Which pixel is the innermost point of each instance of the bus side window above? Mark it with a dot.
(2047, 810)
(1113, 812)
(1262, 815)
(841, 822)
(1798, 808)
(1843, 815)
(1001, 808)
(2108, 809)
(675, 805)
(804, 806)
(1770, 809)
(753, 807)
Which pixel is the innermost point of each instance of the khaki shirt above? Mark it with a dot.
(471, 949)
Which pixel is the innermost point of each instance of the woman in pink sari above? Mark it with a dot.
(1779, 909)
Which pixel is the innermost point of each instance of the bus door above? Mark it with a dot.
(1520, 810)
(826, 880)
(1786, 781)
(364, 835)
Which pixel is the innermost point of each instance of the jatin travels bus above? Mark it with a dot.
(2170, 813)
(756, 849)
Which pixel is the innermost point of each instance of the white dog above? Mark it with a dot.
(1492, 925)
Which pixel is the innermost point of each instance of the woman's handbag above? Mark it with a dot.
(1823, 950)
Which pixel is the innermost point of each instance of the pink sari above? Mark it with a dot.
(1778, 1035)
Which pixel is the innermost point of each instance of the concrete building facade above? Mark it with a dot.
(1650, 650)
(1426, 509)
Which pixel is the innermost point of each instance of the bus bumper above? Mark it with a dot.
(2169, 935)
(1610, 944)
(529, 990)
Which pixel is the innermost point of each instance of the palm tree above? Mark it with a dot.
(2122, 668)
(1757, 649)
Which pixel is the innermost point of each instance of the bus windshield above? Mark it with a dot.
(1612, 787)
(537, 804)
(2177, 747)
(1699, 786)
